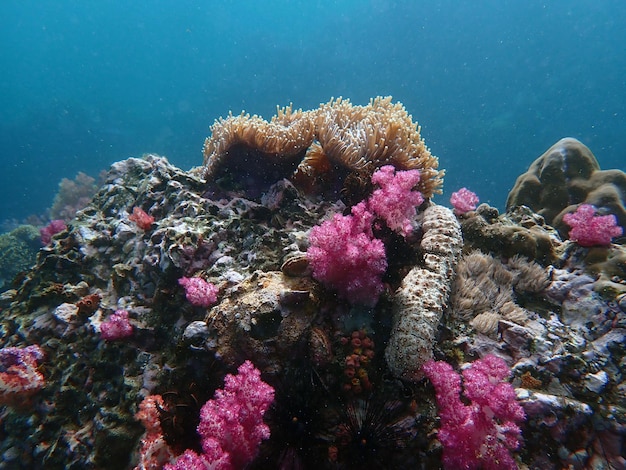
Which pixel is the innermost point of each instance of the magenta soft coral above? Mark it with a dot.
(344, 255)
(480, 434)
(395, 201)
(463, 201)
(199, 292)
(231, 424)
(589, 229)
(116, 327)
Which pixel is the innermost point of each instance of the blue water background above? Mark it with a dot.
(492, 83)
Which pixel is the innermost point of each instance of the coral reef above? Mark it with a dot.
(565, 176)
(126, 329)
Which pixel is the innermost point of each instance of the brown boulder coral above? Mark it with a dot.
(324, 149)
(565, 176)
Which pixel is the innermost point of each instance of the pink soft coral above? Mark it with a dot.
(589, 229)
(54, 227)
(198, 291)
(395, 200)
(463, 201)
(116, 327)
(481, 433)
(231, 424)
(345, 256)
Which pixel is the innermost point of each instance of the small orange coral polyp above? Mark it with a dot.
(143, 220)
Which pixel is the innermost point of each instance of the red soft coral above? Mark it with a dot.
(19, 376)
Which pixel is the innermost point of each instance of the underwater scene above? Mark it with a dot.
(312, 235)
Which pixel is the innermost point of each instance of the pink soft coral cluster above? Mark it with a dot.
(50, 230)
(589, 229)
(395, 201)
(116, 327)
(480, 434)
(345, 255)
(343, 252)
(19, 375)
(463, 201)
(231, 424)
(199, 292)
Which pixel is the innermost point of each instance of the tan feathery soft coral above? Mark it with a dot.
(281, 141)
(339, 136)
(364, 138)
(485, 289)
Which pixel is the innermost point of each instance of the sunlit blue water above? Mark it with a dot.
(493, 83)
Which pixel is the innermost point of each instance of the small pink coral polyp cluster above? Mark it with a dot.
(395, 201)
(463, 201)
(589, 229)
(478, 435)
(343, 252)
(116, 327)
(199, 292)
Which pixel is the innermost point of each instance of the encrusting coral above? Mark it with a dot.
(517, 232)
(339, 139)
